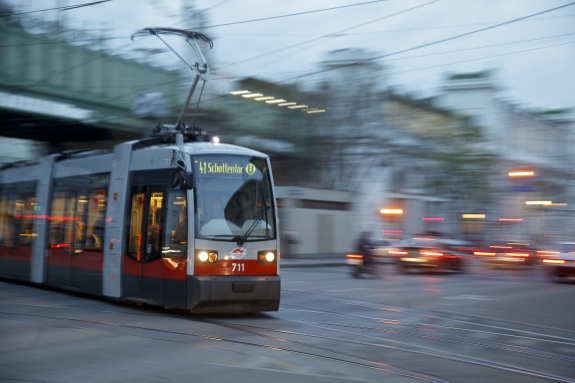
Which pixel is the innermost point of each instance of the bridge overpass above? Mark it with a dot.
(61, 92)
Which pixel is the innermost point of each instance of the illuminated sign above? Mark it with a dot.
(206, 167)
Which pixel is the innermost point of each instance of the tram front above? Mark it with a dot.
(233, 260)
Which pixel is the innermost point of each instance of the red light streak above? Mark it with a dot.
(432, 253)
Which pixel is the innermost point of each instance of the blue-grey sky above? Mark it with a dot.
(534, 59)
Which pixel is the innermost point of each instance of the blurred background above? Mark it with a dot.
(401, 118)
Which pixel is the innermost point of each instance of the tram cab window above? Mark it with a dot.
(175, 244)
(234, 195)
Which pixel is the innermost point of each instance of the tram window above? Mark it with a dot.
(58, 221)
(80, 217)
(135, 245)
(66, 223)
(176, 225)
(156, 226)
(8, 226)
(96, 219)
(25, 219)
(4, 219)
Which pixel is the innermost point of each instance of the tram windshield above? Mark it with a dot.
(233, 198)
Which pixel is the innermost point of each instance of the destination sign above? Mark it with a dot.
(215, 168)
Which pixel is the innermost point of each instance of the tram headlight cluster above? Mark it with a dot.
(207, 256)
(267, 256)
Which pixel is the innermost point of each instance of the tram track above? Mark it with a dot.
(528, 335)
(428, 352)
(468, 339)
(303, 348)
(339, 358)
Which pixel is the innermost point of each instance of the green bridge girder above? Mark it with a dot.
(54, 91)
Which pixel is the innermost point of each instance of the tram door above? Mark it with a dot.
(142, 277)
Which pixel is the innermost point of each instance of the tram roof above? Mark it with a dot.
(211, 148)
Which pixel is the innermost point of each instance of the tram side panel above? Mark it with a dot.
(18, 220)
(74, 256)
(43, 195)
(113, 246)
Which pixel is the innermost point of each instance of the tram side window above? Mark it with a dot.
(59, 221)
(80, 218)
(17, 220)
(175, 244)
(156, 226)
(24, 207)
(7, 221)
(3, 219)
(96, 219)
(135, 245)
(68, 221)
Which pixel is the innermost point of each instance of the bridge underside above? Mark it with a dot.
(55, 130)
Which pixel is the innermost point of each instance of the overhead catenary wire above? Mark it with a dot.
(331, 34)
(464, 50)
(294, 14)
(64, 8)
(485, 58)
(431, 43)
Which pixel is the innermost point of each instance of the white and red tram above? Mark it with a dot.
(188, 226)
(173, 221)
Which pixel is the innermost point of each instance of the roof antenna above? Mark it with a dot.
(202, 72)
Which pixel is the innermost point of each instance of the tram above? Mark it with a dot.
(177, 220)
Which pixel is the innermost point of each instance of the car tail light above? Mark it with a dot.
(524, 255)
(431, 253)
(554, 261)
(354, 256)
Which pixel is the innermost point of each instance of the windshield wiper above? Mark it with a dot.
(243, 239)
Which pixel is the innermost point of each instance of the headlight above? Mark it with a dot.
(207, 255)
(267, 256)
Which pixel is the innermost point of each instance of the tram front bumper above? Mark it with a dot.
(233, 294)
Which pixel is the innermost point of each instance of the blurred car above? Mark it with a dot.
(430, 254)
(508, 253)
(384, 250)
(559, 262)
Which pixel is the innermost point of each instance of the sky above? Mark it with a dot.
(533, 59)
